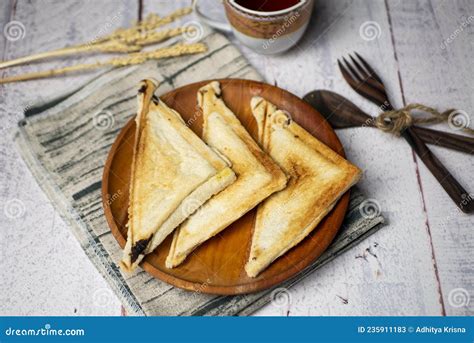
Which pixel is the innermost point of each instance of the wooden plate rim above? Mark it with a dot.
(258, 285)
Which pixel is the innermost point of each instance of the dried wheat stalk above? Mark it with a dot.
(130, 59)
(120, 41)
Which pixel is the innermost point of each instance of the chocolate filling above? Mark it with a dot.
(138, 248)
(142, 89)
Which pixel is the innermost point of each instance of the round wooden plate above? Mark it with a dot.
(217, 266)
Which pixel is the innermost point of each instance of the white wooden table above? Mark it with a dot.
(420, 264)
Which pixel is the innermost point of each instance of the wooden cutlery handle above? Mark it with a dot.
(459, 195)
(445, 139)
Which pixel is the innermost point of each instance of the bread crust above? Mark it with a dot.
(318, 178)
(258, 176)
(173, 173)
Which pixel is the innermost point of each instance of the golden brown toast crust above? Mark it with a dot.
(173, 173)
(318, 178)
(258, 176)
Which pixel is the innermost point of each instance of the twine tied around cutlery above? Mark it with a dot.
(398, 120)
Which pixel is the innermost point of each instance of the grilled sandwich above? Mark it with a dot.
(318, 177)
(173, 173)
(258, 176)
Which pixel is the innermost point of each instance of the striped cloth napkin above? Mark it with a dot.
(65, 144)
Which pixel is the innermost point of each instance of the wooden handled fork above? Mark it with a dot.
(363, 79)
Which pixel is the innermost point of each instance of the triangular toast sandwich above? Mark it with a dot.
(173, 173)
(258, 176)
(318, 177)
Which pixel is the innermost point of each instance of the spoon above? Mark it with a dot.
(342, 113)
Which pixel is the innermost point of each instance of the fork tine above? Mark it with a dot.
(357, 76)
(364, 73)
(347, 76)
(365, 87)
(368, 77)
(369, 69)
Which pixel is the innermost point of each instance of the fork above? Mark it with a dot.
(363, 79)
(378, 95)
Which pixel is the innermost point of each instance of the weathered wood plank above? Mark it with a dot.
(52, 276)
(6, 9)
(392, 272)
(434, 44)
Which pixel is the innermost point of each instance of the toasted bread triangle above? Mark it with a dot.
(318, 178)
(257, 176)
(173, 173)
